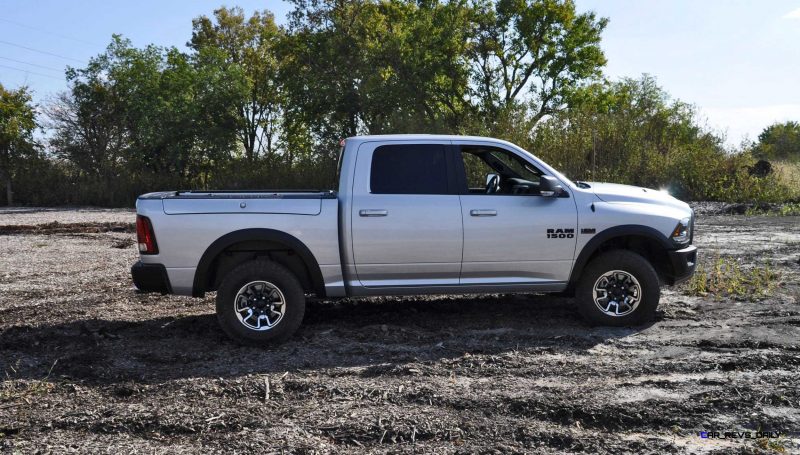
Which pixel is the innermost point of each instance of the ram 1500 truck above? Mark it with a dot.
(416, 214)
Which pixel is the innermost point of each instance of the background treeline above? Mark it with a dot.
(252, 104)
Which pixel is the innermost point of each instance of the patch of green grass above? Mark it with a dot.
(788, 209)
(726, 278)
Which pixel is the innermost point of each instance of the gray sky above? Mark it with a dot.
(738, 61)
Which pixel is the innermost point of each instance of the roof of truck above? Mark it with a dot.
(415, 137)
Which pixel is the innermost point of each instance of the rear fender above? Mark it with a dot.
(203, 271)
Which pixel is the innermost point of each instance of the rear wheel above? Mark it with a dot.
(618, 288)
(260, 302)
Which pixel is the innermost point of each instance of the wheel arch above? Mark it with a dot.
(256, 242)
(645, 240)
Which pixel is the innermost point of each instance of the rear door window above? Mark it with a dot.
(409, 169)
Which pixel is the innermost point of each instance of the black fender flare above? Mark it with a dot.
(614, 232)
(257, 234)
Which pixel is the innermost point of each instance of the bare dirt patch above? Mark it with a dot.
(89, 365)
(43, 215)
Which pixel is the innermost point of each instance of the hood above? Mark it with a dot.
(613, 192)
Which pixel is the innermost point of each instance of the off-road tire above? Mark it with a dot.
(260, 270)
(626, 261)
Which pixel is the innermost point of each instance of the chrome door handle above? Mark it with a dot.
(373, 212)
(483, 212)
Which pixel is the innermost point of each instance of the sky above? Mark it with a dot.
(737, 61)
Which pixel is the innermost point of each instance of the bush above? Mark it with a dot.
(46, 182)
(630, 132)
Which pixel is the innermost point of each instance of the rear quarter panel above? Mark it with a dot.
(183, 237)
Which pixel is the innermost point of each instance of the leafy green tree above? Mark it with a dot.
(252, 104)
(250, 45)
(17, 123)
(153, 86)
(779, 141)
(145, 110)
(533, 52)
(86, 125)
(377, 66)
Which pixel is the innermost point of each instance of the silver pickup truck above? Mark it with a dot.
(416, 214)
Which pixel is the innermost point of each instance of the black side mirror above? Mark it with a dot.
(549, 186)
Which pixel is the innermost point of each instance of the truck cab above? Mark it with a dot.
(417, 214)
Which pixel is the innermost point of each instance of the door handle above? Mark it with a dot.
(484, 212)
(373, 212)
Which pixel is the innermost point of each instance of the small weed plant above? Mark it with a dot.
(726, 278)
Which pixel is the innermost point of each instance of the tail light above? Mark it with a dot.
(145, 235)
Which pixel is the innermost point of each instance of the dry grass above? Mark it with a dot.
(13, 390)
(19, 390)
(772, 445)
(789, 173)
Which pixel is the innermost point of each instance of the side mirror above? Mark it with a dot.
(492, 180)
(549, 186)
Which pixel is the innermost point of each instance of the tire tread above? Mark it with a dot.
(266, 270)
(630, 262)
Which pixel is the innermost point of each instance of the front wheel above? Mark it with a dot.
(618, 288)
(260, 302)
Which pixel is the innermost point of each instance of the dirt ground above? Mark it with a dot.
(90, 366)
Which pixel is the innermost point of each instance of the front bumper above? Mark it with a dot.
(150, 278)
(684, 263)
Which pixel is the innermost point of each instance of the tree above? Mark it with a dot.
(249, 45)
(779, 141)
(377, 66)
(625, 131)
(17, 123)
(535, 49)
(145, 110)
(86, 125)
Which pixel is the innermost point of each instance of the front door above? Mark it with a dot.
(406, 216)
(512, 235)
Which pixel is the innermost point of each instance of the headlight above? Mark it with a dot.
(682, 232)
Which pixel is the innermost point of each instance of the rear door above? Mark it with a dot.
(406, 215)
(512, 235)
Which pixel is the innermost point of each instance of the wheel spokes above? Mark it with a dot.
(617, 293)
(259, 305)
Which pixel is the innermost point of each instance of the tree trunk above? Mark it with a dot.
(9, 192)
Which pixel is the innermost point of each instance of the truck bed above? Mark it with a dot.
(187, 223)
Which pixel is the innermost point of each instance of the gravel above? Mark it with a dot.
(90, 366)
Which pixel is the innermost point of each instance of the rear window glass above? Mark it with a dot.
(409, 169)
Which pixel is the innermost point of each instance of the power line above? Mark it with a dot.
(42, 52)
(48, 32)
(31, 72)
(32, 64)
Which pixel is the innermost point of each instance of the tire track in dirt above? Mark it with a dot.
(66, 228)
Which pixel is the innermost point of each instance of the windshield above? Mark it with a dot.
(517, 165)
(549, 168)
